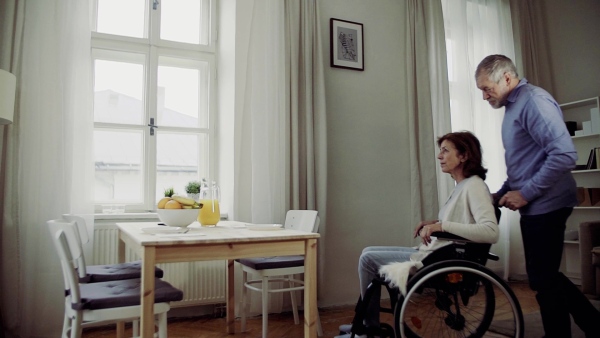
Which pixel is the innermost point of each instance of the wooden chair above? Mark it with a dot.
(114, 301)
(278, 269)
(104, 272)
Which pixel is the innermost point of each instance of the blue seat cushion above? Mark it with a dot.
(110, 272)
(121, 293)
(277, 262)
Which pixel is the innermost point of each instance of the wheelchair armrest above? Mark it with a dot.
(493, 257)
(453, 237)
(449, 236)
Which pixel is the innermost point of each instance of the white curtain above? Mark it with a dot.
(48, 164)
(280, 143)
(261, 116)
(474, 30)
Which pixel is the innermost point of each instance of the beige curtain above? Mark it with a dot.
(440, 91)
(424, 60)
(534, 44)
(307, 159)
(11, 16)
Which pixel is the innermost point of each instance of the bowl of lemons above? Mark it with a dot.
(178, 211)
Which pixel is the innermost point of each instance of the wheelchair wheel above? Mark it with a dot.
(458, 298)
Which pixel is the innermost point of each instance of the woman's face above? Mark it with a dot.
(451, 161)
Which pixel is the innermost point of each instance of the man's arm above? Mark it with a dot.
(543, 121)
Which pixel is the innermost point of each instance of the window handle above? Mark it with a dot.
(152, 126)
(155, 4)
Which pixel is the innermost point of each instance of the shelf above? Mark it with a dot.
(580, 103)
(584, 136)
(587, 171)
(579, 112)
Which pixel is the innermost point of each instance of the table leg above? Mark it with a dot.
(121, 250)
(121, 259)
(230, 306)
(147, 295)
(310, 289)
(120, 329)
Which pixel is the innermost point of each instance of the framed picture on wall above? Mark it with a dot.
(346, 44)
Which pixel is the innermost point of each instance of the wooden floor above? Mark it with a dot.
(282, 325)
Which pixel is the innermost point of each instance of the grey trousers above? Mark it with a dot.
(371, 259)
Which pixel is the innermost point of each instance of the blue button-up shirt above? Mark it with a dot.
(539, 152)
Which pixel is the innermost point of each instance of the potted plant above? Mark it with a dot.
(193, 190)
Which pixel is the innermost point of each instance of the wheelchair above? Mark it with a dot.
(452, 295)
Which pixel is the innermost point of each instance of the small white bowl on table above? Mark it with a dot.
(178, 217)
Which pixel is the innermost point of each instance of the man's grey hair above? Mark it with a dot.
(495, 66)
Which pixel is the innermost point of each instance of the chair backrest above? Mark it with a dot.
(67, 247)
(303, 220)
(81, 227)
(79, 231)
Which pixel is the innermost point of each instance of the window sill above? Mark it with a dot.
(126, 216)
(131, 216)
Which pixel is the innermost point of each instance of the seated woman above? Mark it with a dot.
(468, 213)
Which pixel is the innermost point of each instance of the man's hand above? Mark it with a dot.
(513, 200)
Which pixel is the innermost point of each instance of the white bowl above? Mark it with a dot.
(178, 217)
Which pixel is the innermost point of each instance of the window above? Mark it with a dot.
(154, 98)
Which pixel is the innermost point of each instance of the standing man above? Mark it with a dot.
(539, 155)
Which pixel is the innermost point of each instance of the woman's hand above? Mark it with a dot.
(426, 230)
(417, 231)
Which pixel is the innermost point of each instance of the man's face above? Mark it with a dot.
(494, 93)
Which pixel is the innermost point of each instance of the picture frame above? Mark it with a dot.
(346, 44)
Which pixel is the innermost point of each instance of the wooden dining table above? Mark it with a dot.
(218, 243)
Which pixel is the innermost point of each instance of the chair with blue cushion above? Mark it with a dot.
(278, 269)
(104, 272)
(102, 302)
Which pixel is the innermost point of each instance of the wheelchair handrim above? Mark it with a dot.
(470, 267)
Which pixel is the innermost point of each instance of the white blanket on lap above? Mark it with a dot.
(397, 273)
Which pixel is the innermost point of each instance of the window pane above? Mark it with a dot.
(185, 21)
(119, 171)
(180, 158)
(179, 103)
(122, 17)
(118, 92)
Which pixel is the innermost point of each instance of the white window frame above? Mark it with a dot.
(180, 54)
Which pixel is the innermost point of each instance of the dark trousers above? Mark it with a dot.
(543, 237)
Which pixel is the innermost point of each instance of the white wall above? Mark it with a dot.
(368, 179)
(368, 167)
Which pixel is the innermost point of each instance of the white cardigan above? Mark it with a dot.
(468, 213)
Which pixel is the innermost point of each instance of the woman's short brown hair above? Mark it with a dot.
(467, 145)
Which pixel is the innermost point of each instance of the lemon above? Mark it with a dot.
(162, 202)
(172, 204)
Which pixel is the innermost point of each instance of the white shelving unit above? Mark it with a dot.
(579, 111)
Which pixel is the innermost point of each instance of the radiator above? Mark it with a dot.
(201, 282)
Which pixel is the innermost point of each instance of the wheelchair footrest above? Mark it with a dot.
(384, 331)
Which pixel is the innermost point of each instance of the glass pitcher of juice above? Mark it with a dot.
(209, 214)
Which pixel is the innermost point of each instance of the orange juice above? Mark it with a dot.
(209, 214)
